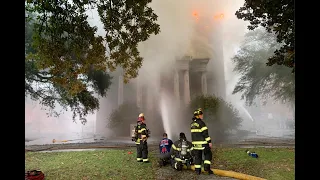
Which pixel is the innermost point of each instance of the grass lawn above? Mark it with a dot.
(85, 165)
(273, 164)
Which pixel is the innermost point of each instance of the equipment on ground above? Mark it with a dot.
(252, 154)
(54, 140)
(34, 175)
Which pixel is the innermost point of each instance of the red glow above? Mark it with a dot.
(195, 14)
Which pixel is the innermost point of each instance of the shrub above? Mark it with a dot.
(220, 116)
(120, 119)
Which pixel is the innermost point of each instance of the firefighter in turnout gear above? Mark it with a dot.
(141, 136)
(181, 153)
(201, 142)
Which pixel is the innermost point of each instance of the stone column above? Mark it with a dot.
(200, 67)
(186, 87)
(139, 93)
(176, 86)
(120, 90)
(204, 83)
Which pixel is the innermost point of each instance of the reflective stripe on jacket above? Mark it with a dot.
(199, 134)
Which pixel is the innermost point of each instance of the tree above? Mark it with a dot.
(275, 16)
(28, 33)
(40, 86)
(69, 61)
(220, 116)
(257, 80)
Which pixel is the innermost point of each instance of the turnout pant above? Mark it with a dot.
(176, 164)
(198, 158)
(142, 151)
(165, 158)
(139, 153)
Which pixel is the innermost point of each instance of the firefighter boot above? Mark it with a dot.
(198, 171)
(161, 163)
(178, 166)
(210, 172)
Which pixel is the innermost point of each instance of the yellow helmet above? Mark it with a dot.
(141, 115)
(198, 112)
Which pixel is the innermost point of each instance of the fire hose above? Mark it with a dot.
(231, 174)
(54, 140)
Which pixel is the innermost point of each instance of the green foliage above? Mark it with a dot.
(29, 25)
(127, 23)
(275, 16)
(121, 118)
(41, 85)
(65, 58)
(220, 116)
(257, 80)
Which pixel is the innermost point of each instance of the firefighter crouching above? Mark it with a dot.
(201, 142)
(140, 137)
(181, 153)
(165, 150)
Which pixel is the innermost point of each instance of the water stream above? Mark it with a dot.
(165, 115)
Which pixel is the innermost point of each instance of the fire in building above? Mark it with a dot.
(199, 71)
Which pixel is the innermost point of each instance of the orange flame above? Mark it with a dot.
(195, 14)
(219, 16)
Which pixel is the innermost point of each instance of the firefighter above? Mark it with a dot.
(141, 136)
(165, 147)
(181, 153)
(201, 142)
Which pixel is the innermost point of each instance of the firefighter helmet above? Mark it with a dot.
(198, 112)
(182, 136)
(141, 115)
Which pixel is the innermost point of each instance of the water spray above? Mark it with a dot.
(165, 115)
(247, 113)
